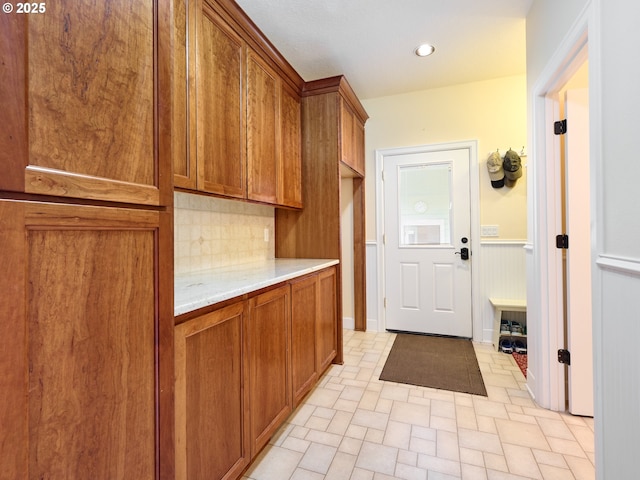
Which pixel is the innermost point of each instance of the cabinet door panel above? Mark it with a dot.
(358, 146)
(304, 305)
(290, 169)
(88, 279)
(220, 111)
(270, 389)
(86, 126)
(262, 130)
(327, 319)
(211, 430)
(347, 124)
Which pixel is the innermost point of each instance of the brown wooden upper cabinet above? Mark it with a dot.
(78, 96)
(242, 132)
(351, 138)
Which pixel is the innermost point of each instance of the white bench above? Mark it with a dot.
(504, 305)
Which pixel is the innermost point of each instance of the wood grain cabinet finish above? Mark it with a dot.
(269, 364)
(290, 158)
(273, 137)
(263, 146)
(304, 317)
(313, 329)
(327, 320)
(331, 113)
(351, 139)
(86, 390)
(243, 123)
(241, 370)
(212, 424)
(86, 101)
(219, 121)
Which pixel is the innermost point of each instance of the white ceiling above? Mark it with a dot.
(371, 42)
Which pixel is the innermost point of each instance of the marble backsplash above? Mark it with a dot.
(214, 232)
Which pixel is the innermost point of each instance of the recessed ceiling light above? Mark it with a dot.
(424, 50)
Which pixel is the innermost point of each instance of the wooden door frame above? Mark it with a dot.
(474, 210)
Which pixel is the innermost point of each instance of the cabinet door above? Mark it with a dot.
(82, 386)
(211, 423)
(184, 99)
(347, 125)
(326, 333)
(290, 165)
(358, 146)
(304, 307)
(78, 94)
(220, 107)
(269, 385)
(262, 130)
(351, 138)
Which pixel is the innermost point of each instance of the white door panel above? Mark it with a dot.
(426, 216)
(578, 221)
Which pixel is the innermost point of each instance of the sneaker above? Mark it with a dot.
(519, 346)
(516, 329)
(506, 346)
(505, 327)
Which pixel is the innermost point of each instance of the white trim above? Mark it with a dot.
(474, 197)
(348, 323)
(503, 242)
(619, 264)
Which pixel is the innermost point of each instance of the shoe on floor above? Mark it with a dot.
(506, 346)
(519, 346)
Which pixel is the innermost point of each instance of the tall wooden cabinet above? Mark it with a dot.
(86, 346)
(241, 110)
(333, 148)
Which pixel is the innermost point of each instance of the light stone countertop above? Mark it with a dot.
(207, 287)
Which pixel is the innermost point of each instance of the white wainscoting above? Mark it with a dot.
(503, 274)
(373, 297)
(617, 370)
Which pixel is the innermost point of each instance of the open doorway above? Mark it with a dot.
(562, 205)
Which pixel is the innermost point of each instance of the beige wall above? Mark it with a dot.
(492, 112)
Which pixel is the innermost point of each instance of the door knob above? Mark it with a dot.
(464, 253)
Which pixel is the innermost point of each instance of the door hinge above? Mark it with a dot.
(384, 238)
(385, 302)
(560, 128)
(564, 356)
(562, 241)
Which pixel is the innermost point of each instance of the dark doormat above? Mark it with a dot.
(431, 361)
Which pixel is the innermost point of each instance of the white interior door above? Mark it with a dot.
(578, 224)
(426, 228)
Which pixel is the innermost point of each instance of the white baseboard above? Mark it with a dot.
(350, 324)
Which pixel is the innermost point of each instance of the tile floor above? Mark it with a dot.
(353, 426)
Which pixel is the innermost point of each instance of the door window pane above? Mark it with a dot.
(425, 204)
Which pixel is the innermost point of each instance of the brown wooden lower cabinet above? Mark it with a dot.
(327, 324)
(212, 428)
(268, 348)
(304, 313)
(313, 329)
(83, 393)
(241, 370)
